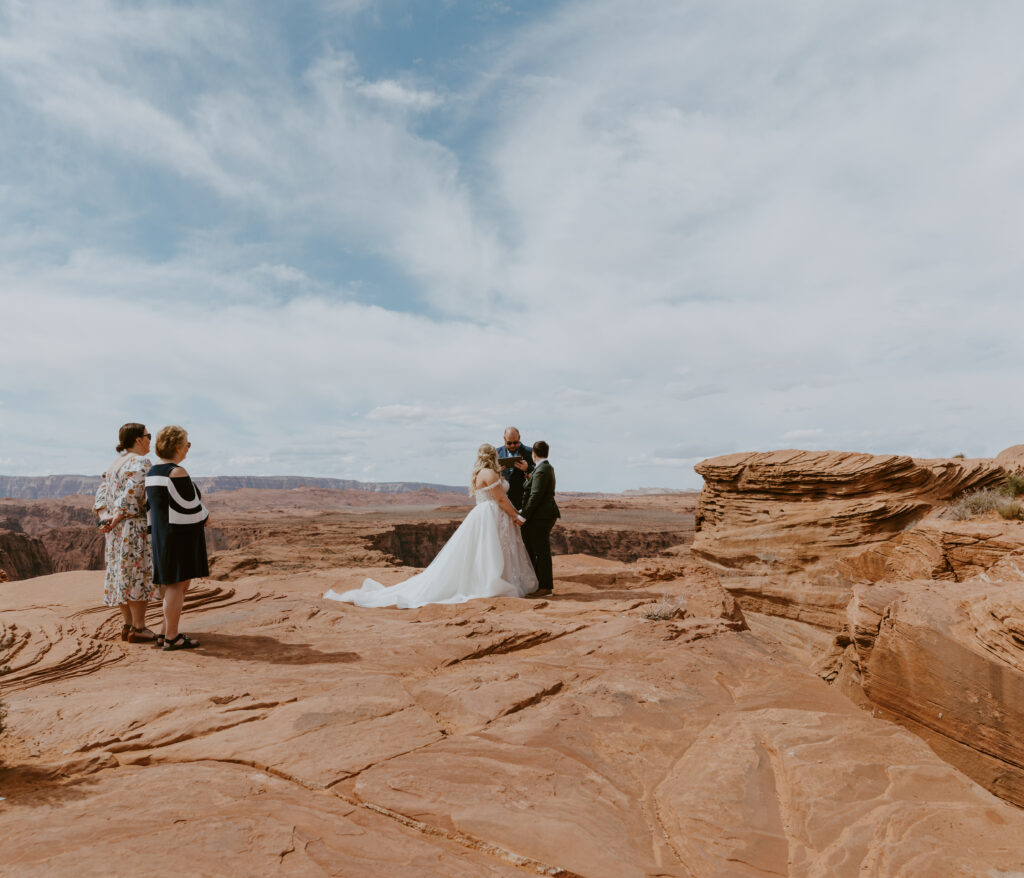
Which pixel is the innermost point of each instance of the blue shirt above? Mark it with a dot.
(523, 451)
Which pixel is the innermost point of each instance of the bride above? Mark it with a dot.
(484, 558)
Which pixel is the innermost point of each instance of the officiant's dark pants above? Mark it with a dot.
(537, 538)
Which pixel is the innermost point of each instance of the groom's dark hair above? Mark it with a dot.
(540, 448)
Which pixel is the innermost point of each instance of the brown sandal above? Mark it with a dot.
(141, 635)
(125, 630)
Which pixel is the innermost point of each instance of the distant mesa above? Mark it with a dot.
(45, 487)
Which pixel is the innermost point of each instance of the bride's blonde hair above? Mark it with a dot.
(486, 458)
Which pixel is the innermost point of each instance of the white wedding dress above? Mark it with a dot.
(485, 558)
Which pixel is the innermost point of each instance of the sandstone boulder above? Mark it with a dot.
(1011, 459)
(774, 524)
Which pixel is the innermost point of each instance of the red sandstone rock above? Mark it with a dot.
(927, 608)
(774, 524)
(1011, 459)
(631, 725)
(945, 659)
(23, 556)
(491, 738)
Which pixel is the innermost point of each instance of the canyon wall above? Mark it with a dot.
(42, 487)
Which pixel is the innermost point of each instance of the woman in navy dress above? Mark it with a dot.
(179, 540)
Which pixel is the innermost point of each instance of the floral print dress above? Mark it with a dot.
(129, 555)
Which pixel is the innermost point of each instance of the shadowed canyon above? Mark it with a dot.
(813, 668)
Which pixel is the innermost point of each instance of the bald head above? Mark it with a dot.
(511, 433)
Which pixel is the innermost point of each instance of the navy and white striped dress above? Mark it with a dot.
(178, 517)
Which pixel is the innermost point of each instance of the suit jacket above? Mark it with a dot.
(539, 495)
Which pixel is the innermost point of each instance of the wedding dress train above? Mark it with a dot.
(484, 558)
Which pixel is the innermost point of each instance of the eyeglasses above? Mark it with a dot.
(510, 443)
(146, 436)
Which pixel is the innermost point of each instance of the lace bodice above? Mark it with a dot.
(490, 493)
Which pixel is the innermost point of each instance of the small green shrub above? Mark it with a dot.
(1014, 484)
(960, 456)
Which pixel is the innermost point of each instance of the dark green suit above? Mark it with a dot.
(541, 513)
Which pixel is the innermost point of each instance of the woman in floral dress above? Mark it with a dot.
(122, 509)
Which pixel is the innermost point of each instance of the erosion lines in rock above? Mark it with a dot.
(472, 843)
(60, 653)
(514, 643)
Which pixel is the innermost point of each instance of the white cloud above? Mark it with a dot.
(651, 234)
(399, 413)
(389, 91)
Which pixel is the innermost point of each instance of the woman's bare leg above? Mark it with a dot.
(174, 600)
(138, 614)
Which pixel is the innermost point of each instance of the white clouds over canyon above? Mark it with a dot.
(646, 234)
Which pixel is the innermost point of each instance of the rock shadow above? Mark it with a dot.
(33, 786)
(259, 647)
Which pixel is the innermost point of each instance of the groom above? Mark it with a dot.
(541, 513)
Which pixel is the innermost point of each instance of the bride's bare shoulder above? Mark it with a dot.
(486, 477)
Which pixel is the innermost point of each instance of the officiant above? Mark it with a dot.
(515, 473)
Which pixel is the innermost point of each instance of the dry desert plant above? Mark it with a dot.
(667, 608)
(982, 500)
(1010, 509)
(976, 502)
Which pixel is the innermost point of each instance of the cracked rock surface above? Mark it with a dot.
(633, 725)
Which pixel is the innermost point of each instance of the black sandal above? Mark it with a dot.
(182, 641)
(138, 635)
(159, 642)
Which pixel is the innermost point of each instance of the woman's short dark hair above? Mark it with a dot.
(128, 435)
(540, 448)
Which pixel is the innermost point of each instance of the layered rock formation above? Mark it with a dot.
(638, 723)
(945, 659)
(926, 610)
(631, 728)
(774, 523)
(23, 556)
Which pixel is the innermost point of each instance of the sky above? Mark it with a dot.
(357, 238)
